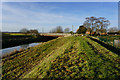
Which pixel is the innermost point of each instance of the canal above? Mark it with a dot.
(24, 46)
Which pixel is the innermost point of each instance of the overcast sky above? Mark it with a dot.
(48, 15)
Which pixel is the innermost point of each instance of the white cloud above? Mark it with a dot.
(11, 10)
(27, 16)
(19, 16)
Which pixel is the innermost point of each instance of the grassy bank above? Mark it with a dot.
(68, 57)
(10, 40)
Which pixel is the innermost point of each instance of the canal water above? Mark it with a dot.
(10, 49)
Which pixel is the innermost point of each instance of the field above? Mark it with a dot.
(68, 57)
(5, 34)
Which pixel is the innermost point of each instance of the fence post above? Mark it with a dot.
(113, 43)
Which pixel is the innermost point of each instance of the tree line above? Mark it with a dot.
(31, 31)
(98, 25)
(91, 24)
(59, 29)
(94, 24)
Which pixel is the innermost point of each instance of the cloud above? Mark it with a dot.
(13, 17)
(27, 16)
(18, 16)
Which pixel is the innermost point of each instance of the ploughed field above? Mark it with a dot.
(65, 57)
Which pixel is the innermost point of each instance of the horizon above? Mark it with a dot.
(49, 15)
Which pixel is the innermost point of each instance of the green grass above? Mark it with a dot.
(26, 60)
(110, 38)
(68, 57)
(12, 34)
(17, 34)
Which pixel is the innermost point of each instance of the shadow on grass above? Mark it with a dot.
(109, 47)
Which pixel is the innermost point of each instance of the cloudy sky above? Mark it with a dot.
(48, 15)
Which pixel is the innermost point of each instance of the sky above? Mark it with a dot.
(59, 0)
(48, 15)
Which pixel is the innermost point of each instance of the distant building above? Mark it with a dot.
(105, 33)
(95, 33)
(87, 32)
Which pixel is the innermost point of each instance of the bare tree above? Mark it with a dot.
(113, 29)
(24, 30)
(90, 23)
(96, 24)
(87, 24)
(53, 31)
(58, 29)
(66, 30)
(102, 24)
(35, 31)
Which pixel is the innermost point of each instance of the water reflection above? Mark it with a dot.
(25, 46)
